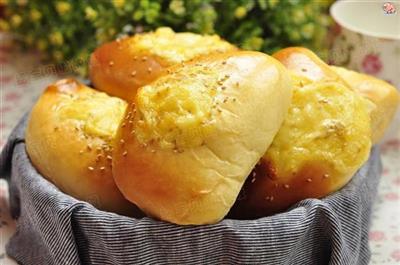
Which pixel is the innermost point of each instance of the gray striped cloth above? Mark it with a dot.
(54, 228)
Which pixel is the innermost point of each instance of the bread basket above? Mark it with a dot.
(54, 228)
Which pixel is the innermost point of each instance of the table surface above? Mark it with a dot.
(23, 77)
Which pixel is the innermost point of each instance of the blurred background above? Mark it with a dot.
(42, 41)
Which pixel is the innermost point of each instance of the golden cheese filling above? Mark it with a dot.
(177, 111)
(326, 122)
(180, 47)
(96, 121)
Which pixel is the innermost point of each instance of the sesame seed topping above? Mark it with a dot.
(111, 63)
(81, 152)
(122, 141)
(253, 180)
(123, 125)
(149, 69)
(153, 151)
(125, 153)
(89, 148)
(133, 131)
(133, 73)
(309, 180)
(144, 58)
(102, 168)
(135, 57)
(91, 168)
(109, 157)
(325, 176)
(286, 186)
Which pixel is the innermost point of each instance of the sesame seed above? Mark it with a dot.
(153, 151)
(144, 58)
(271, 198)
(125, 153)
(133, 131)
(253, 180)
(135, 57)
(325, 176)
(91, 168)
(123, 125)
(149, 69)
(102, 168)
(122, 141)
(253, 174)
(109, 157)
(89, 148)
(309, 180)
(133, 73)
(286, 186)
(111, 63)
(81, 152)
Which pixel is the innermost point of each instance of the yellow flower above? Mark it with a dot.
(35, 15)
(119, 3)
(56, 38)
(16, 20)
(240, 12)
(273, 3)
(41, 44)
(298, 16)
(307, 30)
(63, 7)
(90, 13)
(4, 25)
(58, 56)
(177, 6)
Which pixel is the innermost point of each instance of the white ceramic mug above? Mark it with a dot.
(366, 38)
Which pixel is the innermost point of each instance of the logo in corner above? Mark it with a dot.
(389, 8)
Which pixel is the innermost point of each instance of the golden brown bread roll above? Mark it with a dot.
(306, 66)
(69, 141)
(323, 141)
(385, 97)
(121, 67)
(191, 137)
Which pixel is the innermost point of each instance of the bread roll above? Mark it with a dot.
(69, 141)
(306, 66)
(323, 141)
(192, 136)
(122, 66)
(385, 97)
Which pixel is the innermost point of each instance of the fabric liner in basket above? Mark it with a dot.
(54, 228)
